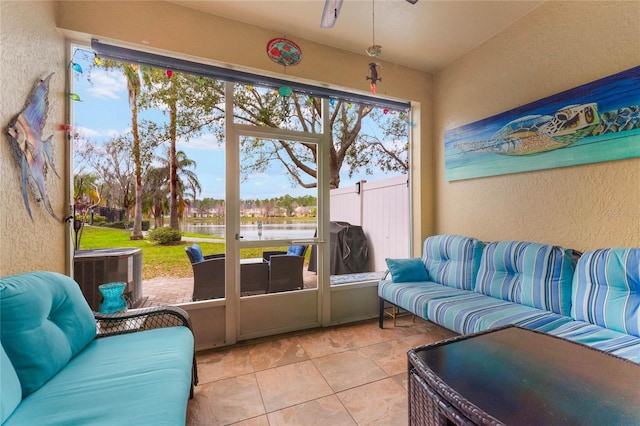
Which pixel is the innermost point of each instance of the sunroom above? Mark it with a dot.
(535, 50)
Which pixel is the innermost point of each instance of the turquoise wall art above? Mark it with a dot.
(595, 122)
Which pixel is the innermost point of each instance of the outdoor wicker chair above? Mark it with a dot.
(286, 269)
(208, 274)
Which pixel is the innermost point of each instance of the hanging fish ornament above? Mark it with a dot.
(373, 76)
(33, 153)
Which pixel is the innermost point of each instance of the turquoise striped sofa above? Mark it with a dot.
(63, 365)
(473, 286)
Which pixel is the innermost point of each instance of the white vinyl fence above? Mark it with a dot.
(382, 209)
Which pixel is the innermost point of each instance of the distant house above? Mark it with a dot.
(304, 211)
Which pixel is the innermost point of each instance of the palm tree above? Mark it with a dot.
(134, 84)
(133, 89)
(187, 183)
(191, 102)
(156, 193)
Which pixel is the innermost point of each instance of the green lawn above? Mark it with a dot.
(158, 260)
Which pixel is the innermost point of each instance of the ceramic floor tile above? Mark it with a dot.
(223, 363)
(379, 403)
(405, 327)
(321, 412)
(263, 382)
(349, 369)
(276, 353)
(255, 421)
(403, 380)
(419, 333)
(321, 343)
(291, 384)
(365, 334)
(225, 401)
(391, 356)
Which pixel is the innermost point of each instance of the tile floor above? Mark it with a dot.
(353, 374)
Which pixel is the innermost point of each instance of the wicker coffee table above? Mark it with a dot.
(511, 375)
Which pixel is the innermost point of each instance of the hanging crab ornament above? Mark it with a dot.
(373, 76)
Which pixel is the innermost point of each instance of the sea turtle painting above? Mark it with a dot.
(595, 122)
(534, 134)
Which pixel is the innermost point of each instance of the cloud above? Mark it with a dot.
(87, 133)
(114, 133)
(207, 141)
(107, 84)
(95, 135)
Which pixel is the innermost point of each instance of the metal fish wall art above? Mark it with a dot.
(33, 153)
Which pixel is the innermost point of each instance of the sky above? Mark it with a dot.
(104, 113)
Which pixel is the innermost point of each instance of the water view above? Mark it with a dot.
(256, 230)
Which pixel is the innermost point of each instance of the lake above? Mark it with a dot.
(268, 231)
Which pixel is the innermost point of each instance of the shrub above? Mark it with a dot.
(165, 235)
(117, 225)
(98, 220)
(120, 225)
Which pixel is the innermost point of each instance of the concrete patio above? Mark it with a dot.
(174, 290)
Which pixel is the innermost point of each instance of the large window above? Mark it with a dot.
(159, 132)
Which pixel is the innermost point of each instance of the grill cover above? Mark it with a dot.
(348, 250)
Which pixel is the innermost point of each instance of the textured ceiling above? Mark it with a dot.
(426, 36)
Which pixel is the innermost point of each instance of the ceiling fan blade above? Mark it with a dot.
(330, 13)
(413, 1)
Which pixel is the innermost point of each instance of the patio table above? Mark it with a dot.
(512, 375)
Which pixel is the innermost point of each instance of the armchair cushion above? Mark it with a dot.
(296, 250)
(140, 378)
(407, 270)
(45, 322)
(195, 253)
(11, 394)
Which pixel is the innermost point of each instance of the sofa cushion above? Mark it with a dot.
(46, 321)
(141, 378)
(452, 260)
(614, 342)
(606, 289)
(414, 296)
(10, 390)
(533, 274)
(407, 270)
(475, 312)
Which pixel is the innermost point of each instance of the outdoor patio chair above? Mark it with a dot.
(291, 250)
(195, 254)
(208, 274)
(285, 268)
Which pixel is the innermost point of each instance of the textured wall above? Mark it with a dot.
(558, 46)
(31, 48)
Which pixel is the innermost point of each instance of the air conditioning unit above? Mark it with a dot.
(92, 268)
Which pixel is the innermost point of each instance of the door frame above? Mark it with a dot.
(265, 303)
